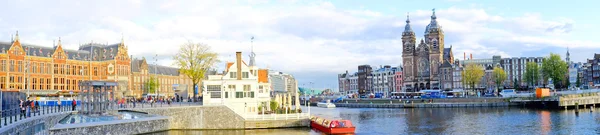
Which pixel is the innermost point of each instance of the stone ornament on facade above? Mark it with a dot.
(111, 68)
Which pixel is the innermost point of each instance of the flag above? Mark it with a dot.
(252, 38)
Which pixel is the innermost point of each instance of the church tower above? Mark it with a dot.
(408, 53)
(434, 37)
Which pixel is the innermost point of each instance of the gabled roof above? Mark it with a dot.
(163, 70)
(446, 64)
(101, 52)
(136, 65)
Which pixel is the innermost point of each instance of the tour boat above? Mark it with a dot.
(326, 104)
(332, 126)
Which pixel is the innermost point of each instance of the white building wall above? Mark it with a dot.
(242, 96)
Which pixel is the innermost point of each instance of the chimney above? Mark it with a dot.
(238, 60)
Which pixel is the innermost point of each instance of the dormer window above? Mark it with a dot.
(245, 75)
(232, 74)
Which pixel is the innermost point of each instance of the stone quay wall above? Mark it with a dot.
(198, 117)
(21, 126)
(262, 124)
(120, 127)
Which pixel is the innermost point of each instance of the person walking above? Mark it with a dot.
(32, 106)
(74, 104)
(21, 103)
(59, 103)
(37, 106)
(27, 106)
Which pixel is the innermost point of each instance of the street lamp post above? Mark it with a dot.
(28, 76)
(156, 74)
(82, 79)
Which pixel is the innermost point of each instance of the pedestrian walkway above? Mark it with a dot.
(158, 105)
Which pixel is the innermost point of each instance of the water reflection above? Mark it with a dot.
(289, 131)
(444, 121)
(545, 122)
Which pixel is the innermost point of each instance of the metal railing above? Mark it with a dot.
(15, 115)
(145, 104)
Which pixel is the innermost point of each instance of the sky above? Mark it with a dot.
(312, 40)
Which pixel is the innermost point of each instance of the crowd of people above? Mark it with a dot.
(29, 106)
(133, 102)
(33, 106)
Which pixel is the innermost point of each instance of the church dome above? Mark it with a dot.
(407, 28)
(433, 25)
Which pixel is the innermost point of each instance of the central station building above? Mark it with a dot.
(53, 71)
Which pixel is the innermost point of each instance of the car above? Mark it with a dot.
(488, 95)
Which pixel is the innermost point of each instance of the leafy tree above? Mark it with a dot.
(472, 75)
(554, 67)
(499, 77)
(152, 84)
(532, 73)
(193, 60)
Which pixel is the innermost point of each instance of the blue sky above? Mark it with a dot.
(313, 40)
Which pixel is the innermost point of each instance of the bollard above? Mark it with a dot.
(11, 120)
(5, 121)
(15, 116)
(576, 107)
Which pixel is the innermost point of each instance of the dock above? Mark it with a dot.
(563, 100)
(426, 105)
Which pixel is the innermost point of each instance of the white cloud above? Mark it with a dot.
(293, 36)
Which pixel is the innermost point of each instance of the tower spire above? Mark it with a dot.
(407, 17)
(568, 55)
(59, 44)
(17, 36)
(407, 28)
(252, 54)
(433, 15)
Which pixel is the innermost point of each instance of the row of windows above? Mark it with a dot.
(16, 82)
(234, 75)
(63, 69)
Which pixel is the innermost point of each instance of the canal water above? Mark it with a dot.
(502, 120)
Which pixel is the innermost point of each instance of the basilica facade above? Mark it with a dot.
(422, 59)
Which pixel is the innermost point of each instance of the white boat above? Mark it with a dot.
(326, 104)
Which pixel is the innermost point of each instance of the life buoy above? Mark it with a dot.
(334, 124)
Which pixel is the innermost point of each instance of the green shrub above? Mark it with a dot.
(274, 105)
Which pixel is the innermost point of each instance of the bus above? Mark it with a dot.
(405, 95)
(432, 94)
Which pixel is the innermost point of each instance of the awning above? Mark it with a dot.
(40, 92)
